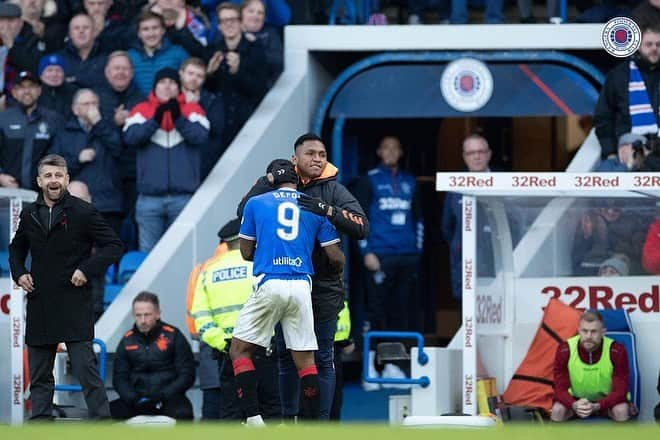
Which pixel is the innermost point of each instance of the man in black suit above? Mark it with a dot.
(59, 230)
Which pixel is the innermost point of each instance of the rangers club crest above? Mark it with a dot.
(466, 84)
(621, 37)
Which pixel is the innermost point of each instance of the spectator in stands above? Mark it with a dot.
(591, 374)
(49, 25)
(417, 8)
(604, 10)
(476, 155)
(628, 102)
(629, 154)
(56, 94)
(236, 69)
(615, 266)
(651, 156)
(153, 52)
(492, 15)
(154, 366)
(647, 13)
(91, 146)
(27, 133)
(392, 250)
(58, 231)
(178, 15)
(193, 75)
(24, 46)
(223, 286)
(82, 54)
(168, 133)
(526, 8)
(111, 31)
(651, 250)
(606, 230)
(117, 98)
(253, 16)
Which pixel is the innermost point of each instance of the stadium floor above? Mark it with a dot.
(71, 431)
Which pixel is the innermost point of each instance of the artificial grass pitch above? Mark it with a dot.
(90, 431)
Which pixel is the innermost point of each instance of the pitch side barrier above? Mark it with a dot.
(12, 310)
(510, 272)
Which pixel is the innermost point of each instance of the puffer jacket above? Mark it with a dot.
(168, 154)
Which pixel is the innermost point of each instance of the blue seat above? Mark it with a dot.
(110, 293)
(618, 325)
(627, 339)
(130, 263)
(110, 275)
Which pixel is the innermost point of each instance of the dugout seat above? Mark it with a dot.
(129, 264)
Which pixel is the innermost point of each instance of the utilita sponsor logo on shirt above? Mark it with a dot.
(287, 261)
(604, 297)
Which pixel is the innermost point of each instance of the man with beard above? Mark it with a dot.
(591, 374)
(26, 134)
(629, 101)
(58, 231)
(324, 196)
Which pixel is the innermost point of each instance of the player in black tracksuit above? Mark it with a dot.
(325, 196)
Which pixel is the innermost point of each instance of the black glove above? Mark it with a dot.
(160, 111)
(313, 205)
(175, 109)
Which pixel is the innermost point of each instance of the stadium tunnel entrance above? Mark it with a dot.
(537, 116)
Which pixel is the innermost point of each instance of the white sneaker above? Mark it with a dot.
(255, 422)
(368, 386)
(391, 371)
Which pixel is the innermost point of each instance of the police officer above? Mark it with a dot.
(223, 286)
(391, 252)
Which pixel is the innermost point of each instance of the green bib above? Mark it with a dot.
(343, 332)
(592, 382)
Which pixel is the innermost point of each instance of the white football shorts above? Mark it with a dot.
(278, 300)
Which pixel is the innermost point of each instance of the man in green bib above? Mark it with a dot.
(591, 374)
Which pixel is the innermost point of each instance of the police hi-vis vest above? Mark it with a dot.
(590, 381)
(223, 286)
(343, 332)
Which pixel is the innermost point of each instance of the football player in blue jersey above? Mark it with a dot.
(280, 237)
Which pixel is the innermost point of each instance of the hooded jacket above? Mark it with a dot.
(168, 155)
(347, 216)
